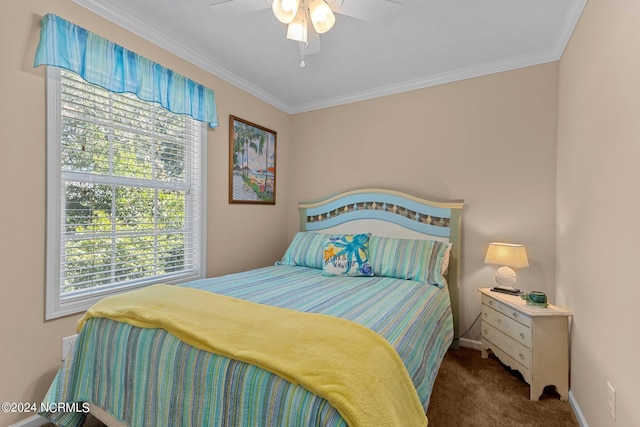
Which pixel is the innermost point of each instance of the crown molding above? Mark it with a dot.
(433, 80)
(140, 28)
(575, 11)
(147, 32)
(479, 70)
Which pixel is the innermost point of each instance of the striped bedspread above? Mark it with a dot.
(147, 377)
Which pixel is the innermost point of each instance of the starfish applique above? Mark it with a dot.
(329, 253)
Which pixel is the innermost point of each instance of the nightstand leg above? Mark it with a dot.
(484, 353)
(535, 392)
(563, 392)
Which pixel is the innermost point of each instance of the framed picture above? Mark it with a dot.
(252, 162)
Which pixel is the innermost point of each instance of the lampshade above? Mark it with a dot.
(285, 10)
(297, 29)
(297, 14)
(507, 255)
(322, 16)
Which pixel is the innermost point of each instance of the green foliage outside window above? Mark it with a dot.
(126, 184)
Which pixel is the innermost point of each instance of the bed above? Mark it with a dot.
(348, 328)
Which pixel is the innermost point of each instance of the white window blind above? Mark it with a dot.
(125, 194)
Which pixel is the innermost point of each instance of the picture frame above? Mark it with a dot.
(252, 162)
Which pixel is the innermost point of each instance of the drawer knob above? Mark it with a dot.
(515, 315)
(485, 314)
(490, 302)
(521, 335)
(484, 332)
(521, 356)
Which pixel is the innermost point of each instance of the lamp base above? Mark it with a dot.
(506, 277)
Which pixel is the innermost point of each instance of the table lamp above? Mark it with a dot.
(507, 255)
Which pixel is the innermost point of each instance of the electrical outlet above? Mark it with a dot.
(611, 400)
(67, 345)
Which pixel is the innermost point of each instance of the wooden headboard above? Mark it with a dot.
(392, 213)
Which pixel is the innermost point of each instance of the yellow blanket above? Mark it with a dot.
(352, 367)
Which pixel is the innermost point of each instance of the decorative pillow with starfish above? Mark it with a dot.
(347, 255)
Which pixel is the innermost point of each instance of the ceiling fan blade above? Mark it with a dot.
(382, 12)
(237, 7)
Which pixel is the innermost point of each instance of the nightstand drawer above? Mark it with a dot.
(511, 347)
(506, 310)
(507, 325)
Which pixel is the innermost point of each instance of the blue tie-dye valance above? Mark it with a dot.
(106, 64)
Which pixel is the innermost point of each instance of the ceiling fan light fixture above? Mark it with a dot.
(297, 29)
(285, 10)
(322, 16)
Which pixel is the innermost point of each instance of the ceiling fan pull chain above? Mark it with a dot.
(302, 46)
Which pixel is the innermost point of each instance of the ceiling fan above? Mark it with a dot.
(298, 13)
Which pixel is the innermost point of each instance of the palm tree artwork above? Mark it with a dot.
(252, 166)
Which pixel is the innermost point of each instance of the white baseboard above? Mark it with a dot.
(34, 421)
(466, 342)
(577, 411)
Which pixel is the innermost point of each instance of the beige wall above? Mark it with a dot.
(490, 141)
(598, 204)
(30, 347)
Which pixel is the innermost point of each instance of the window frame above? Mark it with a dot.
(55, 305)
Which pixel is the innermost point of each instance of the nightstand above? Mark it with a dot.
(532, 340)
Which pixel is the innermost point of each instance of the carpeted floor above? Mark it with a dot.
(474, 392)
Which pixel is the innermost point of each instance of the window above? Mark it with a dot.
(125, 194)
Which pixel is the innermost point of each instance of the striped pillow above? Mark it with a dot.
(306, 249)
(419, 260)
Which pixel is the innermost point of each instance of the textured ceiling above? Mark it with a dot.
(431, 42)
